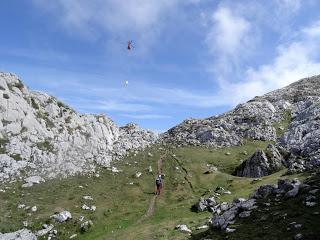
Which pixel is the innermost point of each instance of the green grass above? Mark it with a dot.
(282, 126)
(120, 205)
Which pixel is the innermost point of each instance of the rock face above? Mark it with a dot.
(42, 136)
(23, 234)
(253, 120)
(258, 119)
(261, 163)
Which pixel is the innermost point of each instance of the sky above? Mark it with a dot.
(191, 58)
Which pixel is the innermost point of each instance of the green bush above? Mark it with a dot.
(34, 104)
(16, 157)
(45, 146)
(3, 142)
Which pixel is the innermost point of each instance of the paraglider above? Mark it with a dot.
(130, 45)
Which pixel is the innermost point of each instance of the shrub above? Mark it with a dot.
(45, 146)
(5, 122)
(16, 157)
(34, 104)
(3, 142)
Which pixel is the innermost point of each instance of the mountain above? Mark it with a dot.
(251, 173)
(40, 135)
(288, 117)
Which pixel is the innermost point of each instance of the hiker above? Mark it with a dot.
(158, 184)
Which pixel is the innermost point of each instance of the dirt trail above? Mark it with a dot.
(150, 210)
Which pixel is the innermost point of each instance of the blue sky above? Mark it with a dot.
(192, 58)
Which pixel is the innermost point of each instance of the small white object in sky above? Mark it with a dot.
(126, 83)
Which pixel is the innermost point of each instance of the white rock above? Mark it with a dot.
(87, 198)
(92, 208)
(202, 227)
(34, 209)
(46, 229)
(62, 216)
(230, 230)
(23, 234)
(73, 236)
(21, 206)
(183, 228)
(138, 174)
(311, 204)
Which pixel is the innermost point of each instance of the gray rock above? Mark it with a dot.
(230, 230)
(62, 216)
(49, 139)
(261, 163)
(204, 204)
(248, 205)
(298, 236)
(85, 226)
(311, 204)
(23, 234)
(264, 191)
(46, 229)
(183, 228)
(245, 214)
(222, 221)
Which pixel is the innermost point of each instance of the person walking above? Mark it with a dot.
(158, 185)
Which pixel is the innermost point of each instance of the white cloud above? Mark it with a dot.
(229, 33)
(114, 22)
(116, 106)
(142, 20)
(229, 39)
(293, 61)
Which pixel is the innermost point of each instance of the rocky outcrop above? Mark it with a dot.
(260, 119)
(226, 213)
(249, 120)
(40, 135)
(261, 163)
(303, 136)
(23, 234)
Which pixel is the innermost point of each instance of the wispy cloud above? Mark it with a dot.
(146, 116)
(119, 20)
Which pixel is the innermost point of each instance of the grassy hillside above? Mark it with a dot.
(122, 199)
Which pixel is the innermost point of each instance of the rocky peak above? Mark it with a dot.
(41, 135)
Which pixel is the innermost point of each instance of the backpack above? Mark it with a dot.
(158, 181)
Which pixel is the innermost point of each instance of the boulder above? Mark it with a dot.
(222, 221)
(261, 163)
(85, 226)
(204, 204)
(62, 216)
(23, 234)
(245, 214)
(183, 228)
(264, 191)
(30, 181)
(46, 229)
